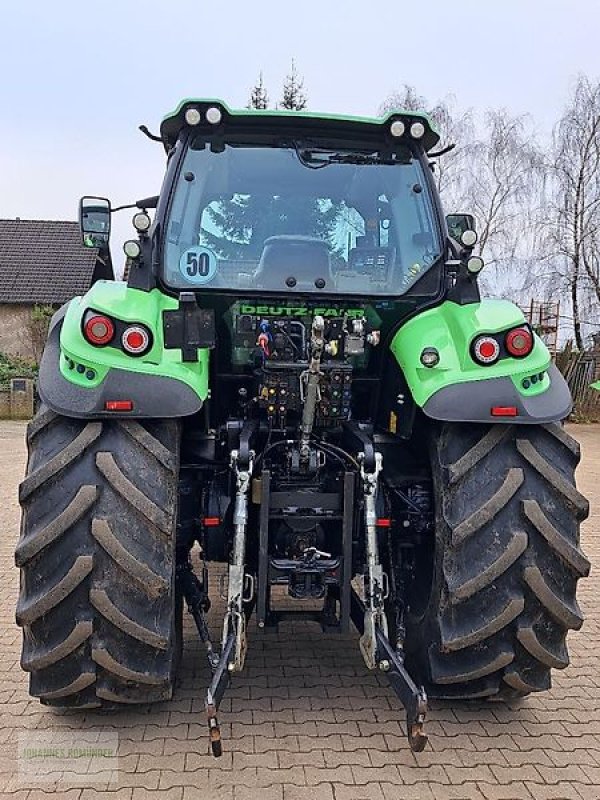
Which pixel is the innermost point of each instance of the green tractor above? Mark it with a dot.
(299, 378)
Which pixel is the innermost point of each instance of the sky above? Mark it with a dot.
(77, 78)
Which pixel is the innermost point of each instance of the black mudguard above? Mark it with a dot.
(151, 395)
(472, 401)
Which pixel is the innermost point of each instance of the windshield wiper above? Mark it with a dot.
(317, 158)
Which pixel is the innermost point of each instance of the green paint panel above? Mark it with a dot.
(130, 305)
(451, 328)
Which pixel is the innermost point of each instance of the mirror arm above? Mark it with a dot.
(441, 152)
(150, 135)
(147, 202)
(122, 208)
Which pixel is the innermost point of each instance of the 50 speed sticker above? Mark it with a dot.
(198, 265)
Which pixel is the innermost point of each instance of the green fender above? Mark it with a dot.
(459, 389)
(77, 379)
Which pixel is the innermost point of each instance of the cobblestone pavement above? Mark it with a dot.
(306, 721)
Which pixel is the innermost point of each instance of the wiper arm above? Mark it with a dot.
(317, 158)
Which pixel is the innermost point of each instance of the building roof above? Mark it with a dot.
(44, 261)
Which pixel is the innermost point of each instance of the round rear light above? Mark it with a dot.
(486, 350)
(519, 342)
(135, 340)
(99, 329)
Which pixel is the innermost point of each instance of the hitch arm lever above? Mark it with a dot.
(215, 692)
(412, 697)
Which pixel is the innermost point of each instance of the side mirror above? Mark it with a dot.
(94, 221)
(461, 224)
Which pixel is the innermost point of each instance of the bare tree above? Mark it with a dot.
(505, 173)
(456, 128)
(259, 98)
(294, 97)
(572, 229)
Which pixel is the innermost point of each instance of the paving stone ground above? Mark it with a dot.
(306, 721)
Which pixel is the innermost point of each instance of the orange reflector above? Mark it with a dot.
(504, 411)
(118, 405)
(211, 522)
(384, 522)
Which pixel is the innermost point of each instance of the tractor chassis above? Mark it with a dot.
(244, 598)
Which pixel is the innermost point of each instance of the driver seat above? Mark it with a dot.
(304, 258)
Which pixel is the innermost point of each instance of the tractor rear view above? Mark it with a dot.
(300, 379)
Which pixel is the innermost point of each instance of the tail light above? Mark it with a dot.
(486, 350)
(135, 340)
(98, 329)
(519, 342)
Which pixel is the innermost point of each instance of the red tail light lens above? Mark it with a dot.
(118, 405)
(519, 342)
(98, 329)
(135, 340)
(486, 350)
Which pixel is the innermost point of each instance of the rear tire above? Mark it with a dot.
(97, 559)
(506, 563)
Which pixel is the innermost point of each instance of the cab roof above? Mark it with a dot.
(302, 122)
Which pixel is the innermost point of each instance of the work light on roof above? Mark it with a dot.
(213, 115)
(417, 130)
(193, 116)
(397, 128)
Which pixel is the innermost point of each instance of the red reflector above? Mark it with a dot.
(486, 350)
(118, 405)
(211, 522)
(384, 522)
(504, 411)
(135, 340)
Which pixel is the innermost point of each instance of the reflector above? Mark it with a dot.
(135, 340)
(486, 350)
(118, 405)
(504, 411)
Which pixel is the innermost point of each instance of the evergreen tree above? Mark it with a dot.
(258, 97)
(294, 97)
(240, 226)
